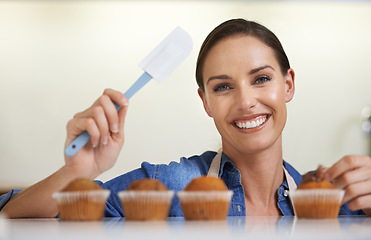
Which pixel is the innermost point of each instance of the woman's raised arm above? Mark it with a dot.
(106, 128)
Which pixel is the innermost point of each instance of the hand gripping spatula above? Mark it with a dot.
(159, 63)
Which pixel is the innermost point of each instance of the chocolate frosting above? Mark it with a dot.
(316, 176)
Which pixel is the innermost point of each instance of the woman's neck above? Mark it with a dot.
(261, 176)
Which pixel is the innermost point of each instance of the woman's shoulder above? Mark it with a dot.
(175, 175)
(201, 162)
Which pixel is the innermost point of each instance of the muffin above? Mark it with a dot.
(146, 199)
(81, 200)
(205, 198)
(316, 197)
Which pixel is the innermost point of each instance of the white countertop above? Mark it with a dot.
(178, 228)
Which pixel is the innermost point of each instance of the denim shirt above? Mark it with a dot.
(176, 175)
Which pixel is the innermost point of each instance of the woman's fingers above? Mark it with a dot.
(344, 165)
(77, 125)
(363, 201)
(105, 115)
(353, 174)
(116, 96)
(101, 123)
(122, 117)
(356, 191)
(108, 98)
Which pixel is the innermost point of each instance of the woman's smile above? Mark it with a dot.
(251, 123)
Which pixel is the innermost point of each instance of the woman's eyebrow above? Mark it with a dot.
(255, 70)
(220, 77)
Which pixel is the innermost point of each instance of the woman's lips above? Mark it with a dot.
(251, 123)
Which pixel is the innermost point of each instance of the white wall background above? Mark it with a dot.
(57, 57)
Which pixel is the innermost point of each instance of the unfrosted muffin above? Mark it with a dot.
(81, 184)
(147, 184)
(146, 199)
(205, 198)
(81, 200)
(206, 183)
(316, 197)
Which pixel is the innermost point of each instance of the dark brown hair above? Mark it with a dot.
(235, 27)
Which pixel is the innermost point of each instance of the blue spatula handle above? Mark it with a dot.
(142, 80)
(84, 137)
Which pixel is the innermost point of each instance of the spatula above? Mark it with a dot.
(158, 64)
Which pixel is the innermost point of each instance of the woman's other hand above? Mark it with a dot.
(353, 174)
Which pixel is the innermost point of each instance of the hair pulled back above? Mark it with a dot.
(235, 27)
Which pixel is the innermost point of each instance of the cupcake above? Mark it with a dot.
(81, 200)
(205, 198)
(316, 197)
(146, 199)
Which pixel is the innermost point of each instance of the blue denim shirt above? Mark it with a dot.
(176, 175)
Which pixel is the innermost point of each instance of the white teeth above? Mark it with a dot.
(251, 124)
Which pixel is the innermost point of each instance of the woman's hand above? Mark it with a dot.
(106, 128)
(353, 174)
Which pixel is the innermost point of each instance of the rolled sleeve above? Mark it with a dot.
(6, 197)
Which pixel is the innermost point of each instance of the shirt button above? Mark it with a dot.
(239, 208)
(285, 193)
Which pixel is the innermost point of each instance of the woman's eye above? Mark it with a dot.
(262, 79)
(220, 88)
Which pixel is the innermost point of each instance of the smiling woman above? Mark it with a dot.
(246, 89)
(245, 81)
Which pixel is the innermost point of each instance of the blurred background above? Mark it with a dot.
(57, 57)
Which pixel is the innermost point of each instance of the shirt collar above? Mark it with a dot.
(226, 162)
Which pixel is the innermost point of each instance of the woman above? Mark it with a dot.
(245, 81)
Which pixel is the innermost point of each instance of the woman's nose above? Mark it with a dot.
(246, 99)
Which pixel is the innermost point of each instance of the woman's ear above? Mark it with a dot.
(290, 85)
(204, 101)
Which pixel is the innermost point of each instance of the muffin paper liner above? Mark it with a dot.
(316, 203)
(146, 205)
(205, 205)
(82, 205)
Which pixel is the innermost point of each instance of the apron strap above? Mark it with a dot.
(290, 180)
(215, 168)
(215, 165)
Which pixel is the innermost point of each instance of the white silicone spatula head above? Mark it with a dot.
(168, 55)
(158, 64)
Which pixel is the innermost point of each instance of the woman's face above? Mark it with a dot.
(246, 93)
